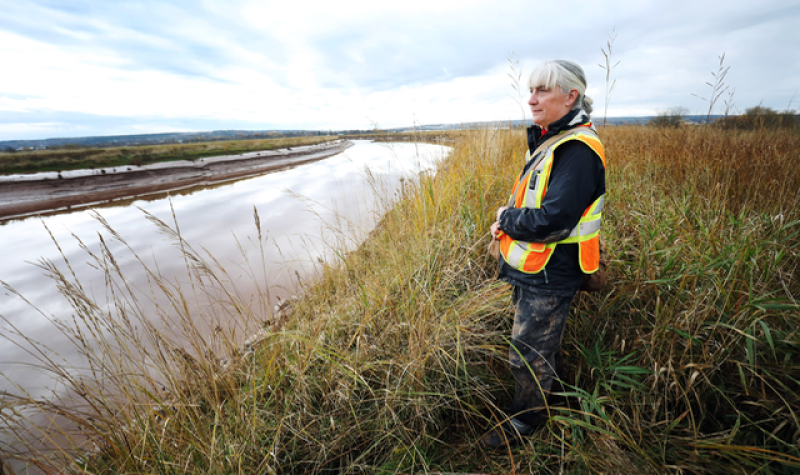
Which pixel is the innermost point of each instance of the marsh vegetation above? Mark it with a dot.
(393, 361)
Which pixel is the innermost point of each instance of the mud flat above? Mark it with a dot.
(22, 195)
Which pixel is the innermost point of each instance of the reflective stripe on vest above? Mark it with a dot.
(529, 191)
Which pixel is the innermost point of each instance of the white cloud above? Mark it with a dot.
(341, 65)
(37, 127)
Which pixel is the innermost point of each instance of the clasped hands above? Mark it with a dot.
(495, 229)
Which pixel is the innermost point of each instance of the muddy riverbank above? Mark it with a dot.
(22, 195)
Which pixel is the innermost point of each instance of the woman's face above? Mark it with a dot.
(549, 105)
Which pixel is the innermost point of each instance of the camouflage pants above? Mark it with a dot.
(535, 354)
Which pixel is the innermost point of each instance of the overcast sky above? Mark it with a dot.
(103, 67)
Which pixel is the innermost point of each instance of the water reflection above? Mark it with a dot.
(306, 211)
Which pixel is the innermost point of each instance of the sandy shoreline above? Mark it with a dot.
(22, 195)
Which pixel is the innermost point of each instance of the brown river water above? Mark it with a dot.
(305, 212)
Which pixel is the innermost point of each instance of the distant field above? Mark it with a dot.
(432, 136)
(76, 157)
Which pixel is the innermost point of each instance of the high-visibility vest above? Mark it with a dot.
(529, 191)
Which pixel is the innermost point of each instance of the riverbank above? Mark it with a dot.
(26, 194)
(80, 157)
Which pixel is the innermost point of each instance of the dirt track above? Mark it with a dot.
(29, 194)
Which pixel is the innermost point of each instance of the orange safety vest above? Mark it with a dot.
(529, 191)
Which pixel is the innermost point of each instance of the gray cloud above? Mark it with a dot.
(142, 34)
(667, 52)
(75, 124)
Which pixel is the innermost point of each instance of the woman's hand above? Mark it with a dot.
(496, 225)
(499, 212)
(496, 231)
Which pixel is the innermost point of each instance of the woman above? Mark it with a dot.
(549, 238)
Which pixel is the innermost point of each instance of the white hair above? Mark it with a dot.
(567, 75)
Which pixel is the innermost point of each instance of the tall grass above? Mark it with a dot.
(394, 361)
(703, 309)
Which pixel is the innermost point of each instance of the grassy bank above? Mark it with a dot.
(394, 362)
(72, 158)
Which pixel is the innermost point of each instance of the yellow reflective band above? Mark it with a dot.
(586, 228)
(516, 254)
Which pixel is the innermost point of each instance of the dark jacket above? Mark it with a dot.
(576, 180)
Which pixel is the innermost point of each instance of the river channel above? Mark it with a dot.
(305, 213)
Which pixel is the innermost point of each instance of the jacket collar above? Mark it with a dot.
(571, 120)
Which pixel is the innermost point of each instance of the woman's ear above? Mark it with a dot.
(571, 98)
